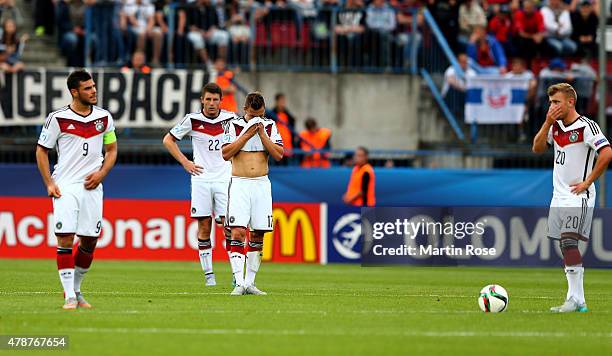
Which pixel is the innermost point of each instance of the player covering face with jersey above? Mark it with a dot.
(84, 136)
(210, 173)
(577, 140)
(248, 142)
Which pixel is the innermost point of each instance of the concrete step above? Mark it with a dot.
(39, 50)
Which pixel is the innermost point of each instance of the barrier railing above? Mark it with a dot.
(434, 59)
(266, 38)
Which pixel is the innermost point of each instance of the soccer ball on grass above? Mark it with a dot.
(493, 299)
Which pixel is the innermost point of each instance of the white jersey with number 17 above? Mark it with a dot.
(79, 141)
(575, 148)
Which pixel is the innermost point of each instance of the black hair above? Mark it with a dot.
(76, 77)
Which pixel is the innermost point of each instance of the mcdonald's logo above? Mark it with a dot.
(291, 227)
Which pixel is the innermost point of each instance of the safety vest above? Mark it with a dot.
(354, 185)
(318, 139)
(284, 131)
(228, 103)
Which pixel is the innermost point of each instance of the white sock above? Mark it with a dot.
(237, 263)
(79, 274)
(575, 289)
(253, 260)
(67, 279)
(206, 261)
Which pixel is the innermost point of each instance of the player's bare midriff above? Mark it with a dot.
(250, 164)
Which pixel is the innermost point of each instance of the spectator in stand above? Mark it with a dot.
(44, 16)
(454, 88)
(138, 63)
(139, 17)
(224, 81)
(446, 14)
(530, 31)
(556, 69)
(558, 24)
(12, 47)
(486, 52)
(493, 6)
(305, 8)
(380, 22)
(238, 28)
(584, 69)
(406, 10)
(350, 28)
(315, 138)
(202, 20)
(321, 27)
(518, 69)
(502, 28)
(585, 23)
(70, 15)
(471, 15)
(8, 10)
(285, 123)
(160, 22)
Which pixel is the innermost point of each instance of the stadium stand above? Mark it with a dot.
(418, 39)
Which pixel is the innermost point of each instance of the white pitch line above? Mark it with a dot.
(278, 311)
(345, 332)
(296, 294)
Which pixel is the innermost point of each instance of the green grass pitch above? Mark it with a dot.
(150, 308)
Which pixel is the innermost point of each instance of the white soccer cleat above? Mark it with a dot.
(238, 290)
(570, 306)
(70, 304)
(254, 291)
(210, 280)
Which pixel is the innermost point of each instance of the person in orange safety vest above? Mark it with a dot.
(361, 187)
(315, 138)
(285, 123)
(224, 80)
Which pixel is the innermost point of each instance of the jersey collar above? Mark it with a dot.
(90, 111)
(564, 127)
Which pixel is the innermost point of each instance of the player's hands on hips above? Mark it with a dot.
(579, 187)
(193, 168)
(53, 190)
(553, 114)
(93, 180)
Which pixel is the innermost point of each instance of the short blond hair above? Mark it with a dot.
(564, 88)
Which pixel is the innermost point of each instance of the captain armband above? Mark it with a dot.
(109, 137)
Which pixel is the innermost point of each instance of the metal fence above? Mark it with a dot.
(259, 38)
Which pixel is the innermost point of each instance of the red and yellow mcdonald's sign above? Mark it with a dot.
(296, 235)
(140, 230)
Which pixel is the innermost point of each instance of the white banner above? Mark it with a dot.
(158, 99)
(495, 100)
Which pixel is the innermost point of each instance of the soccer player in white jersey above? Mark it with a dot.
(210, 172)
(577, 140)
(248, 142)
(84, 137)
